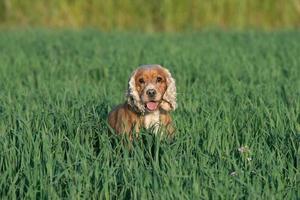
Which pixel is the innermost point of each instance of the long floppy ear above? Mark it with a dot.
(132, 96)
(169, 98)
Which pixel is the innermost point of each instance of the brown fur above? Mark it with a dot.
(130, 116)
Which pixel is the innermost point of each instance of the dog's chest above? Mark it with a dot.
(151, 120)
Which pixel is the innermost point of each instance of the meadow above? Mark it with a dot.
(238, 116)
(152, 16)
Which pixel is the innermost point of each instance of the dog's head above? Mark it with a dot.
(150, 88)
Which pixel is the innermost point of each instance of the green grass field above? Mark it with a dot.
(234, 90)
(152, 16)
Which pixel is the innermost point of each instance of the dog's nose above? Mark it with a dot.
(151, 92)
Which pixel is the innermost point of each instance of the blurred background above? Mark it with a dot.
(151, 15)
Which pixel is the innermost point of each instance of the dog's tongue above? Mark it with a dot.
(151, 105)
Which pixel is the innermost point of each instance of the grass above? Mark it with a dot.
(156, 15)
(234, 90)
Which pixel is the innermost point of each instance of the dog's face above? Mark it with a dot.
(151, 85)
(150, 88)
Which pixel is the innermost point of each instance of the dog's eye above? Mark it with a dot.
(158, 79)
(141, 81)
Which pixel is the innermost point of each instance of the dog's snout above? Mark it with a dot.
(151, 93)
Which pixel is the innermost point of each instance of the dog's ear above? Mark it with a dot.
(169, 99)
(132, 95)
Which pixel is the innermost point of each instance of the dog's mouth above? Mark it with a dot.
(152, 105)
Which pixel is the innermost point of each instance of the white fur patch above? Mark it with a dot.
(151, 120)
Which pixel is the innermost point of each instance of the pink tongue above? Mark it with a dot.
(152, 105)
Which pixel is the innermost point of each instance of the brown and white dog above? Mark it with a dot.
(151, 95)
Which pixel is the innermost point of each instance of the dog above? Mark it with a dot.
(150, 97)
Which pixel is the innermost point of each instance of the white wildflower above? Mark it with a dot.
(234, 173)
(244, 149)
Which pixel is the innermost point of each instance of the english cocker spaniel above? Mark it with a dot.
(151, 95)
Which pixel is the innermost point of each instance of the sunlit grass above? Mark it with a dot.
(238, 128)
(162, 15)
